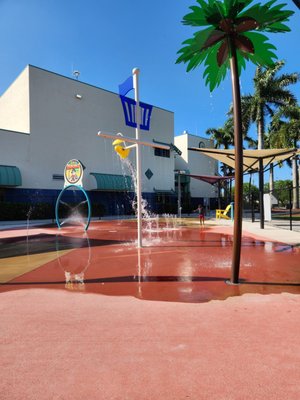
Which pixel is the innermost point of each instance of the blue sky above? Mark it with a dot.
(104, 40)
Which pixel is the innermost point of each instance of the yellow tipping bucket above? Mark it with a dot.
(119, 147)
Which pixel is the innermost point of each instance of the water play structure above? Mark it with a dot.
(136, 115)
(73, 175)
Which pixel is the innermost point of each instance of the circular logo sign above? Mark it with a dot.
(73, 172)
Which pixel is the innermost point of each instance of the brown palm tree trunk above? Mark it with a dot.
(260, 133)
(238, 144)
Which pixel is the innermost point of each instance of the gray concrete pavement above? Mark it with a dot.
(272, 231)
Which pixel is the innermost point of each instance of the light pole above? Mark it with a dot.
(135, 73)
(179, 173)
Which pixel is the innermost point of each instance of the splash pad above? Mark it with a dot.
(132, 118)
(167, 234)
(190, 264)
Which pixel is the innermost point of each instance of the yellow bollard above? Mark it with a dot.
(119, 147)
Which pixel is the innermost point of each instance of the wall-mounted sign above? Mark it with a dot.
(73, 173)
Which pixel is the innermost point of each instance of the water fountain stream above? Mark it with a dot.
(150, 220)
(74, 217)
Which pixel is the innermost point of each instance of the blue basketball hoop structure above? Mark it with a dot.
(88, 203)
(129, 105)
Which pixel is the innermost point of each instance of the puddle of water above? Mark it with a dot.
(185, 265)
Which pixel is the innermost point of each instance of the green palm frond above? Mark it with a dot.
(197, 17)
(207, 14)
(234, 7)
(231, 22)
(271, 98)
(193, 45)
(214, 76)
(263, 54)
(270, 19)
(287, 79)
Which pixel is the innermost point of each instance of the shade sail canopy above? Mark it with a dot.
(110, 182)
(10, 176)
(251, 158)
(211, 179)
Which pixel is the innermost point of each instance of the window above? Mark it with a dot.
(161, 152)
(58, 177)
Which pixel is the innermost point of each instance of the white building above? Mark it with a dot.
(47, 119)
(192, 162)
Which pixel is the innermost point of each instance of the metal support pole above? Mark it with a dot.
(261, 194)
(250, 189)
(290, 206)
(232, 211)
(135, 73)
(252, 208)
(131, 140)
(179, 196)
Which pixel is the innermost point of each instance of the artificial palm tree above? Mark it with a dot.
(231, 37)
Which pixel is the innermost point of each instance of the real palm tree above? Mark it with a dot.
(270, 92)
(223, 138)
(227, 42)
(285, 132)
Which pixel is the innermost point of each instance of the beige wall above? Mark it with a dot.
(196, 163)
(63, 127)
(14, 105)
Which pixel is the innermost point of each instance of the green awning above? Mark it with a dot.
(10, 176)
(114, 183)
